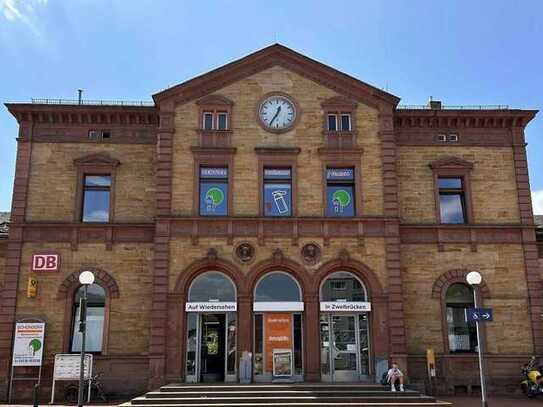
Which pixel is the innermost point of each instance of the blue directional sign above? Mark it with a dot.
(479, 314)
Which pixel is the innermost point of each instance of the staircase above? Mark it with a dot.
(276, 395)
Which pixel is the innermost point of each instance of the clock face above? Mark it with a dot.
(277, 113)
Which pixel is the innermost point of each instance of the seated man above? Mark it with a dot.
(394, 375)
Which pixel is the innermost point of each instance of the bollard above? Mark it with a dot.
(36, 395)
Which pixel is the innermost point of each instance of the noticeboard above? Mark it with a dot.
(28, 344)
(67, 366)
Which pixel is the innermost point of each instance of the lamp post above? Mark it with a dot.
(474, 279)
(86, 278)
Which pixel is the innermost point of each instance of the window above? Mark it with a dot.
(96, 198)
(212, 286)
(96, 300)
(215, 120)
(462, 335)
(339, 122)
(343, 286)
(213, 191)
(340, 199)
(452, 205)
(277, 287)
(277, 192)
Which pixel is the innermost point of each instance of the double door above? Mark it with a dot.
(211, 347)
(344, 347)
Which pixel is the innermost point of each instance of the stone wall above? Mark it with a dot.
(493, 183)
(53, 181)
(247, 134)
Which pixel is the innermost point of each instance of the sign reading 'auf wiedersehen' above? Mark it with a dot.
(210, 306)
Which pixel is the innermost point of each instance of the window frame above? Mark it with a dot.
(86, 188)
(278, 157)
(217, 181)
(351, 183)
(72, 322)
(212, 157)
(94, 165)
(214, 105)
(271, 181)
(333, 160)
(453, 167)
(446, 322)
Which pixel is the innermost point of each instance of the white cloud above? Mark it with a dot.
(21, 11)
(537, 202)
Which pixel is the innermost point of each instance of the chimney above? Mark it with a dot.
(434, 104)
(80, 98)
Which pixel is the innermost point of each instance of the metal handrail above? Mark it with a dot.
(460, 107)
(48, 101)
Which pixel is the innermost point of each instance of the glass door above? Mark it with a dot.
(344, 347)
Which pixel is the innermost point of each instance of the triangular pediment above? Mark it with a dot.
(97, 159)
(277, 55)
(451, 162)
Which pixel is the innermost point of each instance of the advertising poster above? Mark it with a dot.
(28, 343)
(278, 331)
(282, 362)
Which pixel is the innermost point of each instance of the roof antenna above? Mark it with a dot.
(80, 97)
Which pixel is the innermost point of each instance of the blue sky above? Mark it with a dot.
(460, 52)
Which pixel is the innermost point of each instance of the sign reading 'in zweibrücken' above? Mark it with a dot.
(344, 306)
(210, 306)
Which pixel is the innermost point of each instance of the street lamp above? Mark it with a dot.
(86, 278)
(474, 279)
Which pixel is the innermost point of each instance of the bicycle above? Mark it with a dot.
(71, 392)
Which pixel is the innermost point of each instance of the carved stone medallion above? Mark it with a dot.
(244, 252)
(311, 253)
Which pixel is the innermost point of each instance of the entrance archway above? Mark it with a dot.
(278, 311)
(211, 334)
(344, 328)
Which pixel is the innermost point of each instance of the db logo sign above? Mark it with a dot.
(46, 262)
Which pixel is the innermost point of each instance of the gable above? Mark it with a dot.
(276, 55)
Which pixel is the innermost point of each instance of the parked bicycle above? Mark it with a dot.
(71, 392)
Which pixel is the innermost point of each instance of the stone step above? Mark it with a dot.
(281, 399)
(308, 404)
(286, 392)
(263, 387)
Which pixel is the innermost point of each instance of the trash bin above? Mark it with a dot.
(246, 367)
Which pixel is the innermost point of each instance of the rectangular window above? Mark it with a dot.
(222, 122)
(213, 191)
(96, 198)
(332, 122)
(345, 122)
(340, 192)
(277, 192)
(207, 123)
(452, 205)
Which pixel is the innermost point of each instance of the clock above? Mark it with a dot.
(277, 113)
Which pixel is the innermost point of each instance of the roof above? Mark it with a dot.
(265, 58)
(4, 223)
(538, 220)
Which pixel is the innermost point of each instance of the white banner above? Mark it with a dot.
(343, 306)
(28, 343)
(278, 306)
(211, 306)
(67, 366)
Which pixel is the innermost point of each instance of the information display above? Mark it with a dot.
(28, 343)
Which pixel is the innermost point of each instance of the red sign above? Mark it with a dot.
(46, 262)
(278, 329)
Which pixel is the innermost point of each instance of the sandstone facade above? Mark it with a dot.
(157, 243)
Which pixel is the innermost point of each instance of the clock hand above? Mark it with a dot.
(275, 115)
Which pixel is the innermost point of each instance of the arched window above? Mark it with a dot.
(96, 302)
(212, 286)
(278, 287)
(343, 286)
(462, 335)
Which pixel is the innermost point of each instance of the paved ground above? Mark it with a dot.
(492, 402)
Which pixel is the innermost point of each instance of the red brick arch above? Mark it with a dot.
(441, 285)
(101, 277)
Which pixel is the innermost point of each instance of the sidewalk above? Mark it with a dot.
(492, 401)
